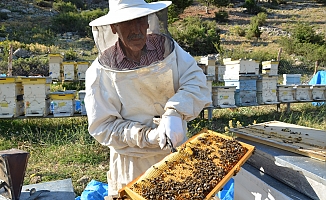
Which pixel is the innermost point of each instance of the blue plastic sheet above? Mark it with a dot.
(318, 79)
(94, 190)
(227, 193)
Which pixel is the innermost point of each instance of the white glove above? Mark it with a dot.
(154, 135)
(173, 130)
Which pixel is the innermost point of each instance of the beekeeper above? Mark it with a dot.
(141, 89)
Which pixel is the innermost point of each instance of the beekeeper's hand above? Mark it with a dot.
(154, 135)
(173, 130)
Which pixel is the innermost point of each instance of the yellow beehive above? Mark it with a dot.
(63, 103)
(81, 70)
(69, 69)
(36, 87)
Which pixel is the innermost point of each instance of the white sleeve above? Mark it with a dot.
(193, 94)
(105, 123)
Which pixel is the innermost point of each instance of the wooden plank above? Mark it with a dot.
(294, 138)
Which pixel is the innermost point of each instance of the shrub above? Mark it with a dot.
(197, 36)
(304, 33)
(76, 22)
(252, 7)
(64, 7)
(238, 30)
(221, 16)
(253, 31)
(71, 55)
(260, 19)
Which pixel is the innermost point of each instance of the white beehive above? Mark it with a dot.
(270, 67)
(303, 93)
(291, 79)
(11, 107)
(37, 106)
(63, 103)
(267, 89)
(81, 70)
(68, 71)
(223, 96)
(220, 72)
(318, 92)
(285, 93)
(36, 87)
(81, 96)
(10, 87)
(55, 61)
(245, 98)
(240, 66)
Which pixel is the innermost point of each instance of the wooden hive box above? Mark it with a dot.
(201, 166)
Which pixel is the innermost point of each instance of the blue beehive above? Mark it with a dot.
(244, 83)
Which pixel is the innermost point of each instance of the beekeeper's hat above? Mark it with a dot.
(124, 10)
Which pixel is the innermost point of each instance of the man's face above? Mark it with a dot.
(132, 33)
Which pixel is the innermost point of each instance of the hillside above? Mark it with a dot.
(26, 18)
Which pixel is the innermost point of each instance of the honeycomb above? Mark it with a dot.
(197, 171)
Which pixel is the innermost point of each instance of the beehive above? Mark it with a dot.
(68, 71)
(63, 103)
(243, 82)
(318, 92)
(38, 87)
(245, 98)
(285, 93)
(81, 96)
(39, 107)
(291, 79)
(303, 93)
(81, 70)
(36, 99)
(270, 67)
(11, 107)
(220, 72)
(198, 170)
(267, 89)
(241, 66)
(223, 96)
(11, 87)
(55, 69)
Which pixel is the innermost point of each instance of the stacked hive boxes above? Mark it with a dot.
(63, 103)
(209, 62)
(11, 97)
(243, 74)
(81, 70)
(69, 70)
(270, 68)
(55, 61)
(36, 95)
(223, 96)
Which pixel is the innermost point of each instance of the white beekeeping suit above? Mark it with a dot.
(121, 103)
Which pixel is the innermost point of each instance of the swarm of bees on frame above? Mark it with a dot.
(203, 163)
